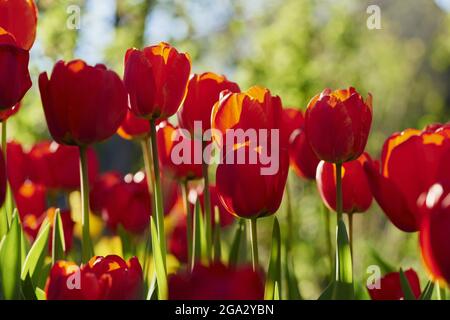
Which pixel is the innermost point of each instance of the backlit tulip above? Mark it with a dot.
(99, 194)
(391, 288)
(256, 195)
(156, 79)
(20, 171)
(57, 166)
(434, 232)
(356, 193)
(133, 127)
(303, 160)
(30, 199)
(411, 162)
(102, 278)
(15, 79)
(173, 159)
(337, 124)
(19, 17)
(202, 93)
(217, 282)
(177, 242)
(82, 104)
(5, 114)
(254, 109)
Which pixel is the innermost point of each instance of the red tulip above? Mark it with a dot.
(99, 193)
(5, 114)
(30, 199)
(391, 288)
(303, 160)
(173, 159)
(20, 171)
(3, 179)
(411, 162)
(57, 166)
(434, 232)
(202, 93)
(82, 104)
(254, 109)
(356, 193)
(177, 241)
(337, 124)
(255, 195)
(156, 80)
(217, 282)
(102, 278)
(15, 78)
(19, 17)
(128, 204)
(133, 127)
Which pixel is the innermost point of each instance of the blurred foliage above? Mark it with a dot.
(295, 48)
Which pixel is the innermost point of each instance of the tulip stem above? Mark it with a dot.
(350, 232)
(289, 238)
(339, 191)
(207, 199)
(150, 177)
(328, 236)
(86, 245)
(157, 193)
(188, 222)
(254, 243)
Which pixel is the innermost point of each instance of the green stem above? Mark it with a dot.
(328, 237)
(254, 243)
(290, 226)
(86, 246)
(350, 232)
(4, 139)
(150, 177)
(189, 224)
(157, 193)
(207, 205)
(339, 191)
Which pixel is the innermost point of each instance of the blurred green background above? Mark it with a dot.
(295, 48)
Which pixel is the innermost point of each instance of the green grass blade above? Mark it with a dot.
(58, 242)
(274, 273)
(159, 264)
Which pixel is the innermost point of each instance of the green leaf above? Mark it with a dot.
(40, 294)
(38, 251)
(10, 261)
(291, 281)
(276, 292)
(4, 223)
(233, 259)
(58, 241)
(217, 237)
(28, 291)
(127, 247)
(407, 291)
(327, 294)
(199, 247)
(274, 273)
(427, 293)
(343, 289)
(159, 264)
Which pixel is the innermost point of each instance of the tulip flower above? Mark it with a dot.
(303, 160)
(255, 195)
(30, 199)
(156, 79)
(133, 127)
(225, 217)
(19, 18)
(202, 93)
(172, 159)
(15, 78)
(411, 162)
(178, 245)
(391, 289)
(434, 236)
(99, 193)
(102, 278)
(19, 172)
(45, 156)
(337, 124)
(217, 282)
(83, 105)
(5, 114)
(356, 193)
